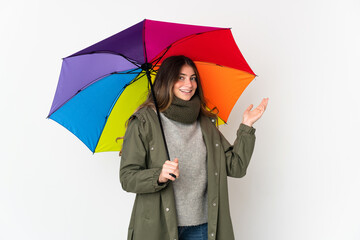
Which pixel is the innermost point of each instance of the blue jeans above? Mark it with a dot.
(198, 232)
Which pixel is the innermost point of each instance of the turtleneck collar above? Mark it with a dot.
(184, 111)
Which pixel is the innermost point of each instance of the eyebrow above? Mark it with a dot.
(186, 75)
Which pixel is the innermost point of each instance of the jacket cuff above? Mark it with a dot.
(156, 185)
(247, 129)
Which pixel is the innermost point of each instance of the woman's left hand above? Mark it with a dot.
(250, 117)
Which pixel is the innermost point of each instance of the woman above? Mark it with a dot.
(186, 198)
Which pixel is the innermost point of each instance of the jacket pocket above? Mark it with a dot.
(130, 234)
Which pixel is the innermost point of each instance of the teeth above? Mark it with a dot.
(187, 91)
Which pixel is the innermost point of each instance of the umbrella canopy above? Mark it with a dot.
(102, 85)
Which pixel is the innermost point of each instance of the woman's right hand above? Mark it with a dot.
(167, 168)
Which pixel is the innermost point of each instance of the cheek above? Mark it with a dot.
(176, 85)
(173, 90)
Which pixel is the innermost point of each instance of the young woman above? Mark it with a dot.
(186, 198)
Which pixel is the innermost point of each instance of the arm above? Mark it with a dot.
(134, 175)
(238, 155)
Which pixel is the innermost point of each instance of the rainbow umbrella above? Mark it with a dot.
(102, 85)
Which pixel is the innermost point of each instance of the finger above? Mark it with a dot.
(175, 164)
(176, 160)
(169, 167)
(169, 163)
(170, 175)
(266, 102)
(249, 108)
(167, 171)
(167, 175)
(177, 173)
(262, 105)
(172, 172)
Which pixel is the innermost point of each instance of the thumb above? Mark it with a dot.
(176, 160)
(249, 108)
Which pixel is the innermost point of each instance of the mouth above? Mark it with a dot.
(185, 90)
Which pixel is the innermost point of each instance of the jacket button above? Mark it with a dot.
(216, 174)
(217, 145)
(213, 120)
(214, 204)
(212, 234)
(152, 148)
(167, 209)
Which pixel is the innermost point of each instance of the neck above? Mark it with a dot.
(184, 111)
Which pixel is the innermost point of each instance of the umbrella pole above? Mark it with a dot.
(146, 67)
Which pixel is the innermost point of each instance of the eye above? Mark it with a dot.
(193, 78)
(181, 78)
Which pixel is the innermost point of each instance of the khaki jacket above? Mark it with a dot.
(154, 214)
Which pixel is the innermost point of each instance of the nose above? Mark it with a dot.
(188, 82)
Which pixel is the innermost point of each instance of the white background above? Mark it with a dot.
(303, 181)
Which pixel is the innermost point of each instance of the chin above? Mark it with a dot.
(185, 98)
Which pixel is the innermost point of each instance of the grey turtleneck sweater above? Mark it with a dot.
(186, 143)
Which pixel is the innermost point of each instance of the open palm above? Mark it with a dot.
(251, 116)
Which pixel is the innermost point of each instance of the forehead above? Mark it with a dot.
(187, 70)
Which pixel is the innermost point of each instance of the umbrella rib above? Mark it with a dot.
(109, 52)
(143, 38)
(106, 75)
(90, 83)
(185, 39)
(123, 88)
(113, 104)
(128, 72)
(157, 60)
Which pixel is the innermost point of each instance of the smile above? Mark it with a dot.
(185, 91)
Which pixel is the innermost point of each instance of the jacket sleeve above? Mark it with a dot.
(134, 175)
(238, 155)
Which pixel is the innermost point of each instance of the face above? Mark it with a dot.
(186, 85)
